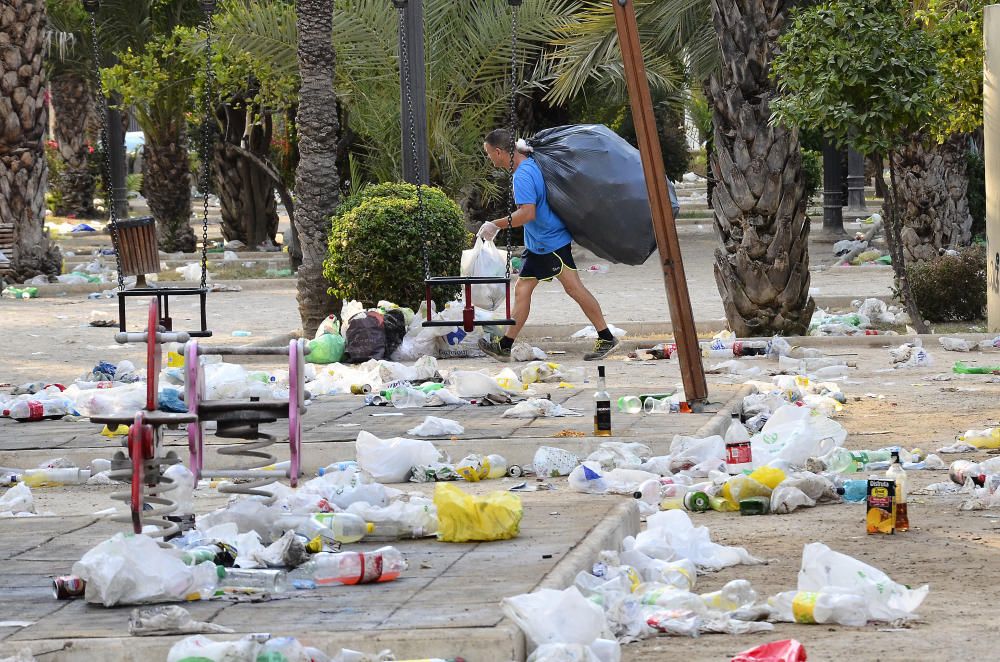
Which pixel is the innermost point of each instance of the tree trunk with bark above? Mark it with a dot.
(166, 183)
(932, 196)
(23, 120)
(72, 105)
(317, 184)
(246, 193)
(762, 268)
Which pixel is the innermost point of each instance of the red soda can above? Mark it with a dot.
(68, 587)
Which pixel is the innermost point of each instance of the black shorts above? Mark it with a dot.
(546, 266)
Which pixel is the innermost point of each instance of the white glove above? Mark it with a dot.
(488, 231)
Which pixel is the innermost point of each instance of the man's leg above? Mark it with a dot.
(577, 291)
(522, 305)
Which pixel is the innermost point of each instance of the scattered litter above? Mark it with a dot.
(17, 500)
(786, 650)
(169, 620)
(436, 427)
(957, 344)
(552, 462)
(390, 460)
(463, 517)
(910, 355)
(539, 407)
(590, 333)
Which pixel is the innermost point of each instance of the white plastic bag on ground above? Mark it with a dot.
(591, 478)
(687, 452)
(957, 344)
(786, 498)
(538, 408)
(590, 333)
(550, 462)
(17, 499)
(390, 460)
(909, 355)
(602, 650)
(200, 647)
(485, 259)
(133, 569)
(795, 434)
(674, 530)
(620, 455)
(471, 384)
(436, 427)
(823, 568)
(548, 616)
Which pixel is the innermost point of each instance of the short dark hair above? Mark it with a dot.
(501, 139)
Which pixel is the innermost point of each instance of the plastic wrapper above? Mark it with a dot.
(436, 427)
(551, 462)
(16, 500)
(390, 460)
(795, 434)
(786, 650)
(823, 569)
(787, 498)
(671, 534)
(463, 517)
(539, 408)
(591, 478)
(548, 616)
(485, 259)
(169, 620)
(133, 569)
(470, 384)
(601, 650)
(620, 455)
(596, 185)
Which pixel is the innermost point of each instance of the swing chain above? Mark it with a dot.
(404, 66)
(102, 102)
(511, 128)
(205, 175)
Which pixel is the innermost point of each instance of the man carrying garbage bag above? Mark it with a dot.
(548, 251)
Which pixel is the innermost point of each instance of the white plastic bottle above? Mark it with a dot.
(498, 466)
(339, 527)
(820, 607)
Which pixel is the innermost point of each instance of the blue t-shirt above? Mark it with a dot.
(547, 232)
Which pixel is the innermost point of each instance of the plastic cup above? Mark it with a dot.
(629, 404)
(656, 406)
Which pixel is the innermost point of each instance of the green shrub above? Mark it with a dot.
(812, 170)
(976, 169)
(376, 240)
(951, 288)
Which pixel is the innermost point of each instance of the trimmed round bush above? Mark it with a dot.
(951, 288)
(376, 242)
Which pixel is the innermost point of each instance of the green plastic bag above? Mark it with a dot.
(328, 348)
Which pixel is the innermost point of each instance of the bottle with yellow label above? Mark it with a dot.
(820, 607)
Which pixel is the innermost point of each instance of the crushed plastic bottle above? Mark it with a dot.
(988, 438)
(840, 460)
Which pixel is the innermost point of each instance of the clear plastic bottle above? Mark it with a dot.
(738, 453)
(855, 490)
(843, 461)
(405, 397)
(988, 438)
(255, 580)
(37, 410)
(820, 607)
(734, 595)
(897, 473)
(55, 477)
(346, 465)
(383, 565)
(340, 527)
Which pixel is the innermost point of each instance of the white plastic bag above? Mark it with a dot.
(470, 384)
(823, 568)
(390, 460)
(538, 408)
(795, 434)
(548, 616)
(436, 427)
(674, 530)
(17, 499)
(550, 462)
(591, 478)
(957, 344)
(590, 333)
(200, 647)
(485, 259)
(602, 650)
(786, 498)
(133, 569)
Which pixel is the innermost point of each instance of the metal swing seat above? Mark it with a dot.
(469, 321)
(134, 240)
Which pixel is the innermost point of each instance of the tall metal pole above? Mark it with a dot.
(692, 371)
(411, 38)
(833, 196)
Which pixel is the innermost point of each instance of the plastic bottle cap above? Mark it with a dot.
(370, 527)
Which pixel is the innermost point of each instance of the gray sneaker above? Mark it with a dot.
(493, 348)
(602, 348)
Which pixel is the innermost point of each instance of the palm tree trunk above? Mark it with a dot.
(317, 184)
(932, 197)
(23, 120)
(72, 105)
(762, 268)
(166, 182)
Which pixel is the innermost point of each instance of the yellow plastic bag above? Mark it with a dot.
(770, 476)
(463, 517)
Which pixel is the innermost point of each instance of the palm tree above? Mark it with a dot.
(317, 184)
(762, 268)
(23, 119)
(71, 101)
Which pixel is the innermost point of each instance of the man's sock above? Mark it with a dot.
(605, 334)
(506, 343)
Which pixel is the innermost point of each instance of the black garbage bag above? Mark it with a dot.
(365, 337)
(395, 329)
(595, 183)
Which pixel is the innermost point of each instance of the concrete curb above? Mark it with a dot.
(718, 424)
